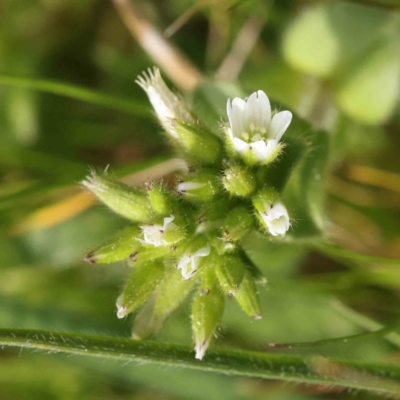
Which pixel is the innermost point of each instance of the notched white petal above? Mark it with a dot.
(279, 124)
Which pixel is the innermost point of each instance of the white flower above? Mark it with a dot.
(154, 234)
(276, 219)
(190, 262)
(251, 127)
(167, 105)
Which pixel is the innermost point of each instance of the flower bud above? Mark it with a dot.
(247, 296)
(146, 323)
(171, 292)
(118, 248)
(199, 187)
(162, 200)
(167, 105)
(239, 181)
(141, 283)
(197, 142)
(122, 199)
(229, 271)
(271, 212)
(207, 311)
(237, 223)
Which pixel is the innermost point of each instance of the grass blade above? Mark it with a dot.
(75, 92)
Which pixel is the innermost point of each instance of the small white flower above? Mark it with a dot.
(251, 126)
(154, 234)
(190, 262)
(276, 219)
(167, 105)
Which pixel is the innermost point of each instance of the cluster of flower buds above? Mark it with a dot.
(186, 237)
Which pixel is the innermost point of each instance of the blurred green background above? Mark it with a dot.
(68, 101)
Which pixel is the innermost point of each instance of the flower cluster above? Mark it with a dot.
(186, 237)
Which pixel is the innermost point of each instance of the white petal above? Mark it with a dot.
(276, 218)
(203, 252)
(265, 105)
(168, 225)
(257, 111)
(153, 235)
(278, 226)
(185, 186)
(262, 150)
(240, 145)
(185, 266)
(251, 113)
(276, 211)
(236, 116)
(279, 124)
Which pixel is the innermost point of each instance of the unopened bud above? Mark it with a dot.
(118, 248)
(162, 200)
(239, 181)
(197, 142)
(199, 187)
(146, 323)
(171, 292)
(141, 284)
(247, 296)
(238, 223)
(271, 212)
(122, 199)
(229, 271)
(207, 311)
(166, 104)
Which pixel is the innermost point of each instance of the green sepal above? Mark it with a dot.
(150, 253)
(118, 248)
(247, 296)
(175, 235)
(198, 187)
(197, 142)
(162, 200)
(207, 310)
(229, 270)
(122, 199)
(237, 224)
(264, 198)
(171, 292)
(140, 285)
(238, 180)
(146, 323)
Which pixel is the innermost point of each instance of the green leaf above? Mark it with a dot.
(304, 191)
(369, 93)
(310, 369)
(329, 36)
(75, 92)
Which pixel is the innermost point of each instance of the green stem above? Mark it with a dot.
(309, 369)
(78, 93)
